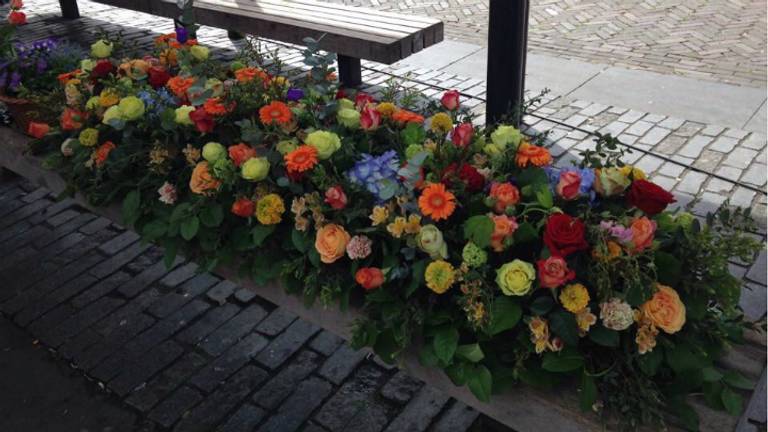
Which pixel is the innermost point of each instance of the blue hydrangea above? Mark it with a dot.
(156, 102)
(377, 174)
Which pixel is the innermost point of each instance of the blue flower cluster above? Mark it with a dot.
(587, 179)
(377, 174)
(156, 102)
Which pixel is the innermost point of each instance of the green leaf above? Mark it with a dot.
(131, 205)
(413, 134)
(417, 277)
(737, 380)
(457, 372)
(604, 336)
(682, 357)
(478, 230)
(732, 401)
(427, 356)
(668, 268)
(154, 230)
(180, 212)
(525, 233)
(386, 346)
(544, 196)
(480, 382)
(564, 324)
(713, 394)
(649, 362)
(588, 394)
(470, 352)
(189, 228)
(541, 305)
(212, 215)
(564, 361)
(300, 240)
(169, 255)
(685, 413)
(711, 374)
(505, 314)
(259, 233)
(445, 342)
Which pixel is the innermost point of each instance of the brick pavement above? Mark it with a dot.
(718, 40)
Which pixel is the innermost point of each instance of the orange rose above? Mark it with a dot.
(202, 181)
(503, 227)
(240, 153)
(72, 119)
(331, 242)
(38, 130)
(369, 277)
(665, 310)
(179, 85)
(505, 194)
(643, 230)
(102, 153)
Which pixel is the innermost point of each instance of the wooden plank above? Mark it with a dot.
(342, 7)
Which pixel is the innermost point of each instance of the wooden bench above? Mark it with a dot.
(352, 33)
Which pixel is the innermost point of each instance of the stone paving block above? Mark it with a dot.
(161, 386)
(65, 229)
(135, 374)
(709, 203)
(339, 365)
(326, 342)
(207, 324)
(179, 275)
(22, 213)
(190, 289)
(171, 409)
(95, 225)
(757, 272)
(742, 197)
(740, 157)
(639, 128)
(118, 260)
(229, 362)
(755, 175)
(400, 388)
(78, 322)
(755, 141)
(299, 406)
(61, 218)
(271, 394)
(75, 347)
(691, 182)
(100, 289)
(129, 328)
(38, 305)
(654, 118)
(724, 144)
(458, 417)
(245, 419)
(753, 300)
(134, 307)
(419, 412)
(211, 411)
(355, 404)
(140, 281)
(277, 321)
(221, 291)
(631, 116)
(119, 243)
(695, 146)
(244, 295)
(286, 344)
(712, 130)
(233, 330)
(654, 136)
(671, 123)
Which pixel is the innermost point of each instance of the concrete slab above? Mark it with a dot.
(561, 76)
(758, 122)
(691, 99)
(440, 55)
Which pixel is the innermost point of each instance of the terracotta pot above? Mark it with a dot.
(20, 109)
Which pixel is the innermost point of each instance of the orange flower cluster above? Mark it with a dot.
(215, 107)
(532, 154)
(179, 85)
(405, 116)
(247, 74)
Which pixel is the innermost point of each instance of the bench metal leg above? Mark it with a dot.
(69, 9)
(350, 74)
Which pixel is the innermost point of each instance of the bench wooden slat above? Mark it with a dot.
(341, 8)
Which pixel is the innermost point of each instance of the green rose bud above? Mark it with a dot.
(89, 137)
(326, 143)
(505, 135)
(87, 65)
(182, 115)
(473, 255)
(349, 118)
(214, 151)
(101, 49)
(199, 52)
(515, 278)
(685, 220)
(224, 169)
(92, 103)
(430, 240)
(131, 107)
(412, 150)
(255, 169)
(345, 103)
(286, 146)
(112, 113)
(492, 150)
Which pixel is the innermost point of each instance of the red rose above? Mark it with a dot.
(473, 179)
(341, 94)
(240, 153)
(554, 272)
(38, 130)
(336, 197)
(102, 69)
(243, 207)
(203, 121)
(369, 277)
(568, 186)
(17, 18)
(370, 118)
(450, 100)
(649, 197)
(564, 234)
(158, 77)
(362, 100)
(462, 134)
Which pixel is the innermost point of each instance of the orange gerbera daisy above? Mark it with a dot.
(302, 159)
(405, 116)
(215, 107)
(179, 85)
(437, 202)
(275, 112)
(535, 155)
(247, 74)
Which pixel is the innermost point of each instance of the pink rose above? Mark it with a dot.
(450, 100)
(568, 186)
(462, 134)
(370, 118)
(336, 197)
(554, 272)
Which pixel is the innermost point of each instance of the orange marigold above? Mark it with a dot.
(405, 116)
(215, 107)
(535, 155)
(302, 159)
(247, 74)
(275, 112)
(179, 85)
(437, 202)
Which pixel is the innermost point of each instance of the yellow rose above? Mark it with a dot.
(331, 242)
(270, 209)
(89, 137)
(199, 52)
(515, 277)
(637, 173)
(182, 115)
(345, 103)
(665, 310)
(214, 151)
(349, 118)
(255, 169)
(326, 143)
(108, 97)
(112, 113)
(505, 135)
(131, 107)
(87, 65)
(101, 49)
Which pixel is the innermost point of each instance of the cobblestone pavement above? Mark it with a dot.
(719, 40)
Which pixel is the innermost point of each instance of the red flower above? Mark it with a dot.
(554, 272)
(564, 234)
(450, 100)
(241, 153)
(102, 69)
(243, 207)
(38, 130)
(336, 197)
(203, 121)
(341, 94)
(362, 100)
(102, 153)
(72, 119)
(17, 18)
(649, 197)
(462, 134)
(158, 77)
(473, 179)
(370, 118)
(369, 278)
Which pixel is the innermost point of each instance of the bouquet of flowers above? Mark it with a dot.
(467, 239)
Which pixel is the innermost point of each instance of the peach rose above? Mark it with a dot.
(202, 181)
(643, 230)
(568, 185)
(331, 242)
(505, 194)
(665, 310)
(503, 227)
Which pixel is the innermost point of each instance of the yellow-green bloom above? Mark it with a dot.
(199, 52)
(430, 240)
(131, 107)
(112, 113)
(574, 297)
(270, 209)
(93, 103)
(87, 65)
(491, 150)
(101, 49)
(349, 118)
(439, 276)
(89, 137)
(345, 103)
(473, 255)
(286, 146)
(515, 277)
(505, 135)
(412, 150)
(215, 85)
(182, 115)
(214, 151)
(326, 143)
(255, 169)
(611, 181)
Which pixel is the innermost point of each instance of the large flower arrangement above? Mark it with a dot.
(466, 239)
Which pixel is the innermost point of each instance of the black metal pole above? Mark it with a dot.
(507, 49)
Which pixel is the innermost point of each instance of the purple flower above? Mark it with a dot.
(619, 232)
(42, 65)
(294, 94)
(377, 174)
(15, 81)
(182, 35)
